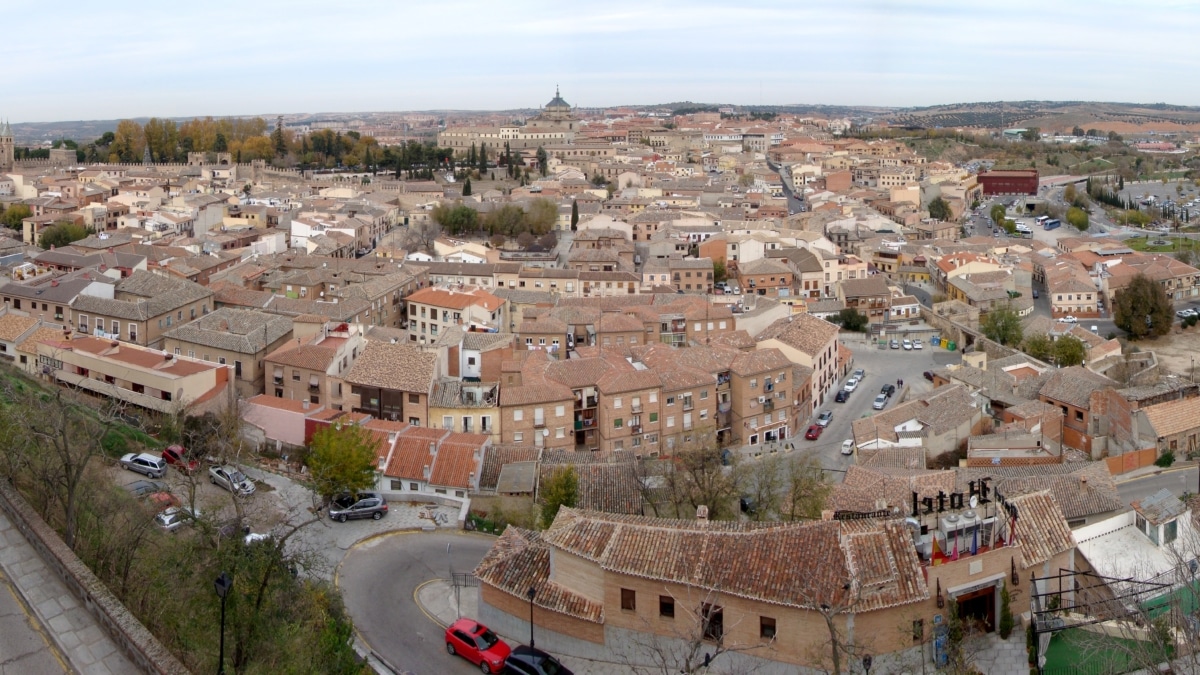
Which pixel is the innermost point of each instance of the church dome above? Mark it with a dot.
(558, 102)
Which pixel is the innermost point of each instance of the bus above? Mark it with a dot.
(1041, 220)
(1052, 223)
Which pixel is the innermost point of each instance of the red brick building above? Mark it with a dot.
(1020, 182)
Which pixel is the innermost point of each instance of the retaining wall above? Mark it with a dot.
(134, 640)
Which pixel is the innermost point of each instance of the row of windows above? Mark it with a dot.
(712, 616)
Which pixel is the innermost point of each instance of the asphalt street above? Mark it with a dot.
(378, 579)
(1178, 481)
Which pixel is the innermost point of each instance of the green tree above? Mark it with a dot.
(14, 214)
(997, 214)
(1077, 131)
(483, 156)
(1002, 325)
(1142, 309)
(1031, 134)
(853, 320)
(1069, 351)
(719, 272)
(541, 216)
(939, 209)
(1039, 346)
(1077, 217)
(560, 489)
(542, 159)
(457, 219)
(467, 187)
(1006, 615)
(62, 233)
(574, 215)
(341, 458)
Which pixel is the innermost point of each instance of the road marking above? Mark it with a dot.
(35, 623)
(422, 607)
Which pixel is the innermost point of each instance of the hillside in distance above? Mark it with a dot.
(1053, 116)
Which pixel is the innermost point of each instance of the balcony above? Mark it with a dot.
(589, 402)
(688, 405)
(278, 380)
(539, 423)
(636, 408)
(768, 405)
(635, 428)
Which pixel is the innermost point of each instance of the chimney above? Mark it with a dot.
(425, 471)
(304, 404)
(53, 283)
(432, 449)
(1083, 481)
(702, 514)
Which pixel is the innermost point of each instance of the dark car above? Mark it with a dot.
(888, 389)
(842, 396)
(928, 375)
(814, 432)
(476, 643)
(362, 505)
(532, 661)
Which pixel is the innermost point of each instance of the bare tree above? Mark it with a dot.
(700, 477)
(807, 489)
(421, 235)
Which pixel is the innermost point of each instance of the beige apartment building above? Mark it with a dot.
(431, 311)
(308, 367)
(143, 308)
(237, 337)
(392, 382)
(810, 342)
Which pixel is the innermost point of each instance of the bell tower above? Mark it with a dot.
(7, 147)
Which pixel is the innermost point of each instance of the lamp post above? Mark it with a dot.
(530, 594)
(222, 584)
(867, 664)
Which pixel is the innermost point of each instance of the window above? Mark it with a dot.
(470, 360)
(653, 417)
(754, 384)
(918, 631)
(628, 600)
(414, 398)
(714, 621)
(1170, 531)
(485, 423)
(560, 432)
(666, 606)
(518, 415)
(704, 395)
(766, 627)
(1078, 415)
(518, 437)
(295, 376)
(618, 423)
(670, 421)
(447, 422)
(670, 400)
(221, 360)
(617, 402)
(133, 332)
(654, 397)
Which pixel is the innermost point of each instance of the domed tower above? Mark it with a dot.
(7, 147)
(557, 114)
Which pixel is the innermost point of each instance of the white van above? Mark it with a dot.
(1022, 227)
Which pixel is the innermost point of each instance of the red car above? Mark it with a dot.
(475, 643)
(814, 432)
(177, 457)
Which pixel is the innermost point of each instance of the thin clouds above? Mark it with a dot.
(138, 58)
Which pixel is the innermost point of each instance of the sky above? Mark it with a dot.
(115, 59)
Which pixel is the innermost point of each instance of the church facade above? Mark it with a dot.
(556, 124)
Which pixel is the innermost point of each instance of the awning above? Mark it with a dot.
(313, 381)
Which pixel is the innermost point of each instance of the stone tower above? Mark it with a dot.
(7, 148)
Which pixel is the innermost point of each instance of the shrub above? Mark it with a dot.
(1165, 460)
(1006, 617)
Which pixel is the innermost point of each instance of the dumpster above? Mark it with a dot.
(951, 346)
(937, 340)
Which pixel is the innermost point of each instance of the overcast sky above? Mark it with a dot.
(102, 60)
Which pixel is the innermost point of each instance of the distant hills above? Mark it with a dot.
(1052, 116)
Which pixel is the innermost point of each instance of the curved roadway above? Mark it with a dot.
(378, 579)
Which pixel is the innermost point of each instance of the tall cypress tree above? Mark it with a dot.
(483, 157)
(574, 215)
(467, 187)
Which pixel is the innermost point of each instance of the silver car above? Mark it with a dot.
(231, 479)
(880, 402)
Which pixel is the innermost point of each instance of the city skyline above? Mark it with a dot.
(133, 59)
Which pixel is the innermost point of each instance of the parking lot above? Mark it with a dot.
(886, 366)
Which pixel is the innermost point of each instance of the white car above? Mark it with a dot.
(231, 479)
(851, 384)
(145, 464)
(173, 518)
(908, 345)
(917, 344)
(848, 447)
(1069, 319)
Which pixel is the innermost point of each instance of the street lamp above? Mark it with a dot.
(530, 594)
(867, 664)
(223, 583)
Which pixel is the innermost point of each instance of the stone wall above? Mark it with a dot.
(134, 640)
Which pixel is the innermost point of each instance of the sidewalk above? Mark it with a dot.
(1152, 470)
(436, 598)
(78, 638)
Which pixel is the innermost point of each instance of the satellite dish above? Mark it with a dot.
(974, 501)
(545, 432)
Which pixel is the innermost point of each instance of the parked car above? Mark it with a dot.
(894, 344)
(231, 479)
(141, 488)
(859, 374)
(532, 661)
(174, 518)
(476, 643)
(917, 344)
(1069, 319)
(888, 390)
(842, 396)
(848, 447)
(880, 402)
(1035, 294)
(144, 463)
(177, 456)
(362, 505)
(814, 432)
(908, 345)
(928, 375)
(825, 417)
(851, 384)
